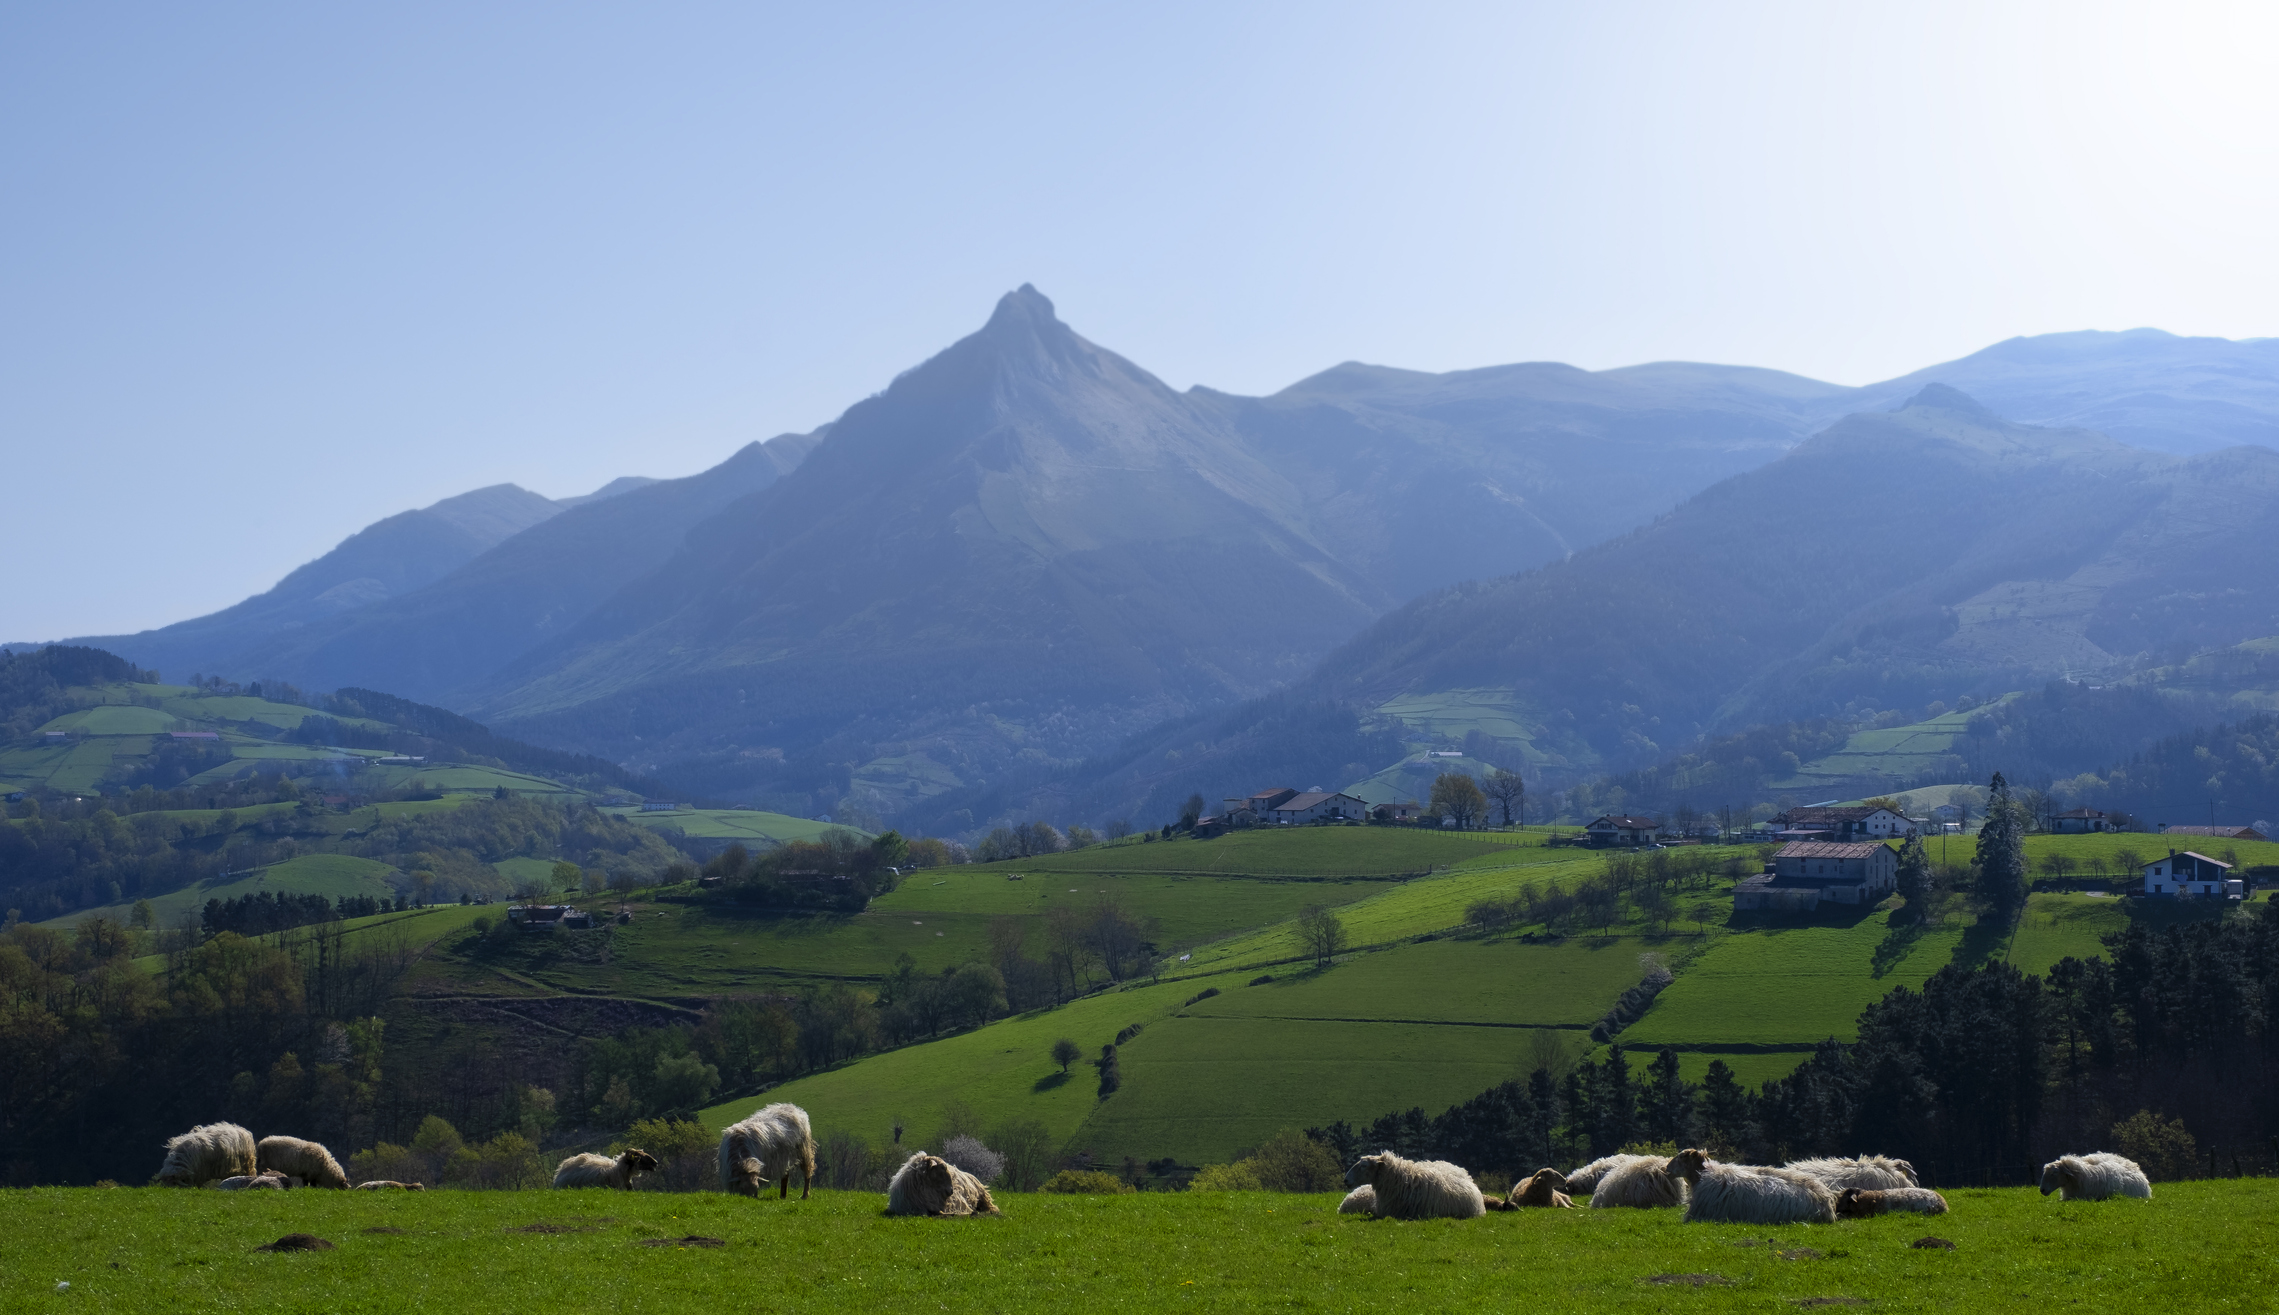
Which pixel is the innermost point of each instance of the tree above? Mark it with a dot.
(2057, 865)
(1510, 794)
(1703, 914)
(1190, 811)
(2002, 850)
(568, 876)
(1457, 796)
(1321, 932)
(1915, 879)
(1066, 1052)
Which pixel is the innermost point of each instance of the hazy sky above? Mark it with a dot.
(269, 273)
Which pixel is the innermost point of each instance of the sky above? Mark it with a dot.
(271, 272)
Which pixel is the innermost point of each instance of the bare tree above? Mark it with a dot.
(1509, 793)
(1321, 932)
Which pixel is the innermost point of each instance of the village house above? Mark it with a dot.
(1853, 822)
(2080, 821)
(1319, 806)
(1617, 829)
(1809, 873)
(2191, 875)
(1257, 804)
(2214, 832)
(1408, 812)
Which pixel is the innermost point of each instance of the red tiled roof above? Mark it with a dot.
(1827, 849)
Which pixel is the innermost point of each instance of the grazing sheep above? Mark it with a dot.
(2094, 1177)
(1544, 1187)
(930, 1185)
(1751, 1194)
(390, 1185)
(1863, 1171)
(1642, 1184)
(590, 1170)
(273, 1182)
(205, 1153)
(1361, 1200)
(768, 1144)
(303, 1159)
(1417, 1189)
(1584, 1181)
(1867, 1203)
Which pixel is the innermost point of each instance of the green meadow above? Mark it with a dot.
(126, 1250)
(329, 875)
(1310, 851)
(730, 824)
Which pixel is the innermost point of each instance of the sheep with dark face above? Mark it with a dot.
(305, 1160)
(590, 1170)
(208, 1153)
(1867, 1203)
(1750, 1194)
(769, 1144)
(930, 1185)
(2094, 1177)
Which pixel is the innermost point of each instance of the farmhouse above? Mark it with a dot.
(1808, 873)
(2215, 832)
(658, 806)
(546, 917)
(1613, 829)
(1856, 822)
(1408, 812)
(1259, 803)
(2190, 875)
(2080, 821)
(1319, 806)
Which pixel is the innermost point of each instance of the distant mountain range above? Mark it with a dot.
(1027, 552)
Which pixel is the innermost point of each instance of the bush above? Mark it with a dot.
(1201, 996)
(1225, 1178)
(1086, 1182)
(389, 1161)
(1127, 1034)
(1027, 1146)
(1292, 1162)
(2165, 1151)
(687, 1155)
(967, 1153)
(1262, 979)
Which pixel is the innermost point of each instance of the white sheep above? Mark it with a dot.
(1585, 1180)
(1544, 1188)
(1417, 1189)
(1750, 1194)
(1867, 1203)
(930, 1185)
(1873, 1172)
(769, 1144)
(207, 1152)
(389, 1185)
(1361, 1200)
(1643, 1183)
(274, 1182)
(305, 1160)
(2094, 1177)
(590, 1170)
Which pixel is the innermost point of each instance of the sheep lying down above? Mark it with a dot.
(1415, 1189)
(2097, 1176)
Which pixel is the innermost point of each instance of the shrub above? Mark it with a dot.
(390, 1161)
(1086, 1182)
(1225, 1178)
(1201, 996)
(1027, 1146)
(967, 1153)
(687, 1155)
(1290, 1161)
(1127, 1034)
(1262, 979)
(2165, 1151)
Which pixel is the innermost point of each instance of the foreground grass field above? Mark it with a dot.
(154, 1249)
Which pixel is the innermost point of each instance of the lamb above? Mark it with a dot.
(1865, 1203)
(1361, 1200)
(2094, 1177)
(1585, 1180)
(590, 1170)
(1862, 1171)
(207, 1152)
(1750, 1194)
(1642, 1183)
(303, 1159)
(770, 1143)
(1417, 1189)
(274, 1182)
(389, 1185)
(1543, 1188)
(930, 1185)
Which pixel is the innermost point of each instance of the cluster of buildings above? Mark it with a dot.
(1283, 806)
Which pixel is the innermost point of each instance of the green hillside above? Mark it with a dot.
(329, 875)
(1896, 753)
(729, 823)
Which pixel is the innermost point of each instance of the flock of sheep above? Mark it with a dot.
(1818, 1191)
(776, 1141)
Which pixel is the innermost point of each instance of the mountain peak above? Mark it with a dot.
(1023, 307)
(1940, 397)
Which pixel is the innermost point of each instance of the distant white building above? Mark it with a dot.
(2081, 821)
(1319, 806)
(2190, 875)
(1621, 829)
(1809, 873)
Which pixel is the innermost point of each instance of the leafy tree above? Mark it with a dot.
(568, 877)
(1914, 881)
(1321, 932)
(2057, 865)
(1190, 811)
(1509, 792)
(2002, 850)
(1457, 796)
(1066, 1052)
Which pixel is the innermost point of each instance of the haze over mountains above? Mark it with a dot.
(1028, 552)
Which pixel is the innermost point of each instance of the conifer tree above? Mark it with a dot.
(2002, 850)
(1915, 879)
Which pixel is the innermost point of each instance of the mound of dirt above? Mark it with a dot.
(690, 1241)
(298, 1242)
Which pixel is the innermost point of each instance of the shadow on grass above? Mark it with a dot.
(1986, 940)
(1894, 948)
(1050, 1081)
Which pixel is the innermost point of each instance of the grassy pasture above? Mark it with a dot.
(2054, 927)
(731, 824)
(1497, 982)
(1184, 909)
(1299, 851)
(127, 1250)
(329, 875)
(2100, 855)
(116, 719)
